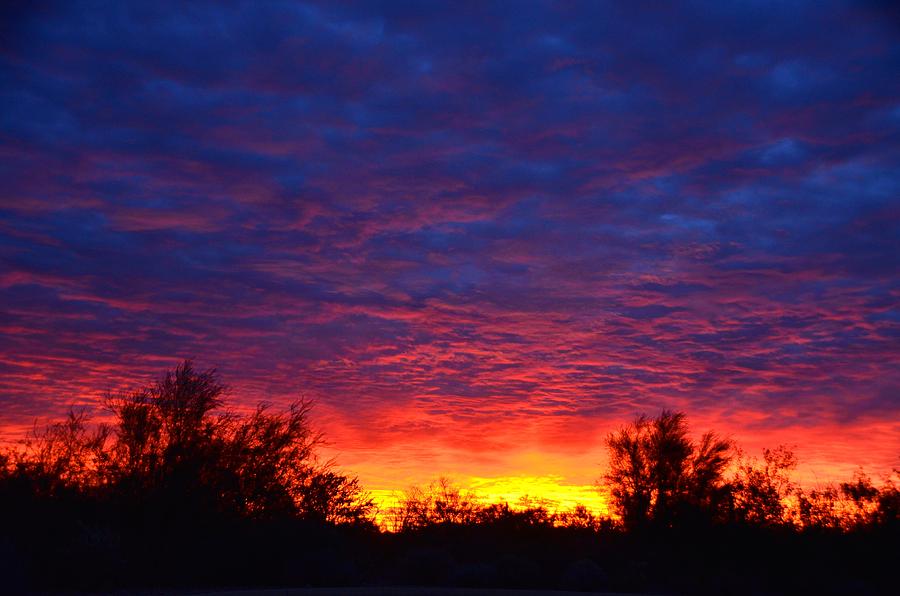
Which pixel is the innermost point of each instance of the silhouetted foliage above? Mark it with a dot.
(64, 454)
(760, 492)
(178, 491)
(170, 443)
(439, 503)
(848, 506)
(173, 465)
(657, 473)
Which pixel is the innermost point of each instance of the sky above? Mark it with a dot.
(480, 235)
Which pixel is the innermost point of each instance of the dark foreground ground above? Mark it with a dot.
(404, 591)
(357, 591)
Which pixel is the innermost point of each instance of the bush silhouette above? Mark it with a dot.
(760, 493)
(657, 473)
(178, 491)
(438, 503)
(171, 443)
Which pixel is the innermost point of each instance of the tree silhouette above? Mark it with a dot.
(441, 502)
(656, 471)
(760, 492)
(63, 455)
(177, 490)
(173, 447)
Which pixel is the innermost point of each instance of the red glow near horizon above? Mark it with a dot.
(477, 255)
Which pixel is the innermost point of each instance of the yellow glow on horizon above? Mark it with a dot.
(551, 491)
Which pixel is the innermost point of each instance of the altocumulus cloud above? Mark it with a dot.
(468, 230)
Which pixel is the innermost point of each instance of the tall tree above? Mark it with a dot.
(656, 471)
(173, 449)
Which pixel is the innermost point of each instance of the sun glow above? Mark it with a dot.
(552, 492)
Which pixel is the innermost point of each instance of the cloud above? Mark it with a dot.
(470, 233)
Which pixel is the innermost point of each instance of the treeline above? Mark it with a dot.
(658, 479)
(180, 491)
(172, 445)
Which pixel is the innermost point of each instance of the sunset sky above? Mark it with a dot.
(480, 235)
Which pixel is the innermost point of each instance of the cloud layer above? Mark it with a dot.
(479, 235)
